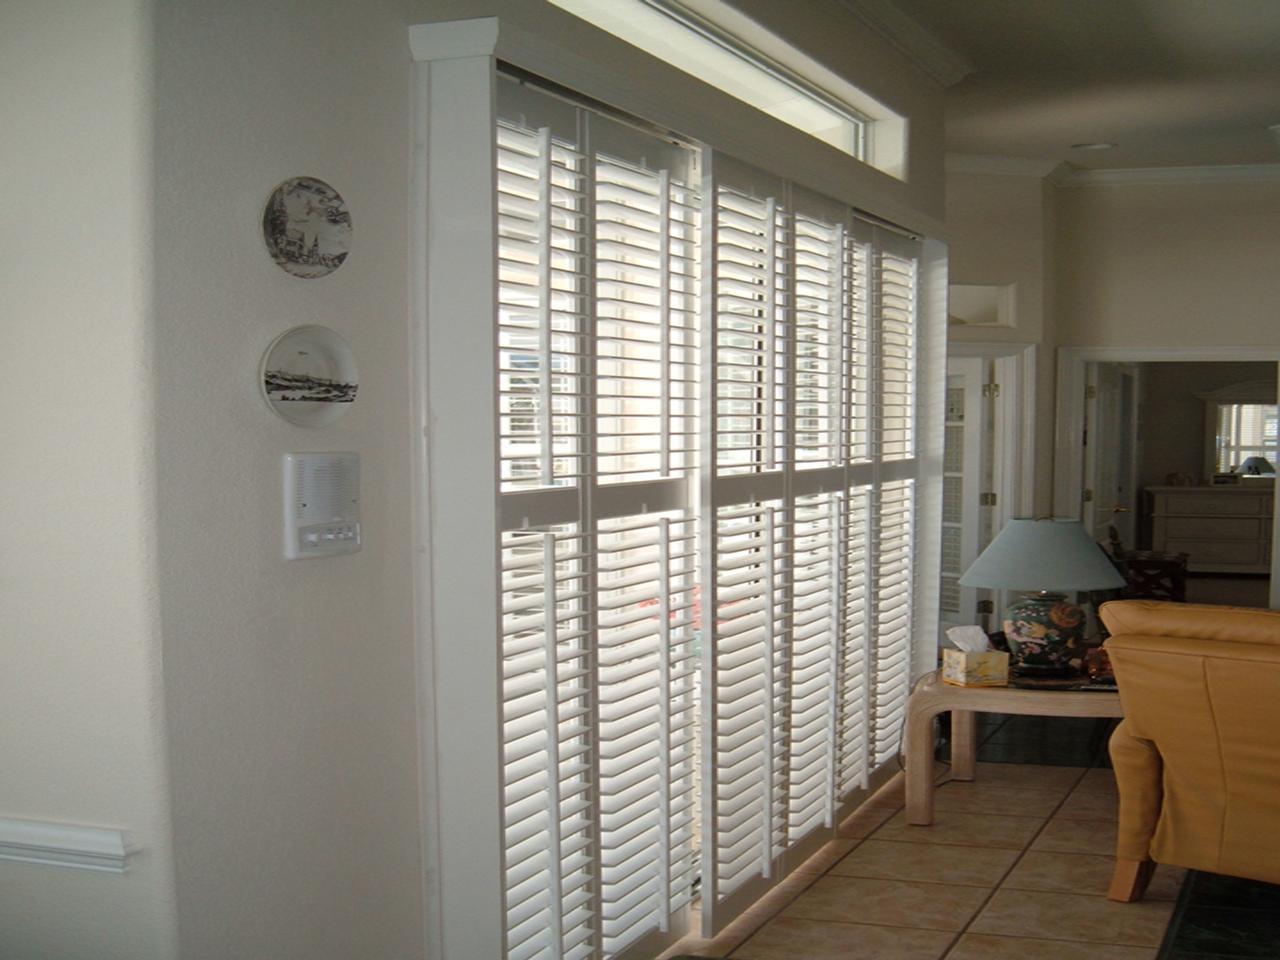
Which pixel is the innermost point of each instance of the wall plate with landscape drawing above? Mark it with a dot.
(309, 376)
(307, 227)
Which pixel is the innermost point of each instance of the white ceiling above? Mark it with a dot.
(1171, 82)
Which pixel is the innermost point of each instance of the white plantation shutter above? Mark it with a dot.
(598, 328)
(547, 745)
(895, 283)
(706, 400)
(893, 635)
(856, 679)
(811, 415)
(541, 302)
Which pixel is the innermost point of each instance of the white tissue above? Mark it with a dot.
(969, 639)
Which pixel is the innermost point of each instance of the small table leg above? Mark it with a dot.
(919, 745)
(964, 744)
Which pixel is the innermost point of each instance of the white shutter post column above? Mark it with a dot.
(453, 301)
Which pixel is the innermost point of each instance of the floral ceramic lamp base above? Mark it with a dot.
(1045, 632)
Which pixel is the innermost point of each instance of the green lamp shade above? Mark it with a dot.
(1045, 632)
(1050, 554)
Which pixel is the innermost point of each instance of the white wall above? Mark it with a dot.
(1170, 264)
(80, 738)
(1127, 264)
(290, 685)
(1002, 230)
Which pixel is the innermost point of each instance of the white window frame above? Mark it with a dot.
(686, 41)
(456, 508)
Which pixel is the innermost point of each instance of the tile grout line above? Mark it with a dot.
(860, 841)
(816, 877)
(1013, 866)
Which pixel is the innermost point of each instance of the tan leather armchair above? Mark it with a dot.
(1197, 756)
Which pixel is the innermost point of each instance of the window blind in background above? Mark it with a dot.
(1246, 430)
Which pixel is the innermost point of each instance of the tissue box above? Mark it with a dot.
(988, 669)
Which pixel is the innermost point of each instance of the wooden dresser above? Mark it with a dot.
(1223, 529)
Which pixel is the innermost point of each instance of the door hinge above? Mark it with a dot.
(987, 499)
(1087, 496)
(991, 390)
(986, 606)
(1091, 393)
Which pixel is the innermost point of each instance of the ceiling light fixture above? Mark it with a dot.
(1093, 146)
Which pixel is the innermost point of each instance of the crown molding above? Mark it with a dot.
(1244, 173)
(1000, 166)
(63, 845)
(1067, 175)
(929, 54)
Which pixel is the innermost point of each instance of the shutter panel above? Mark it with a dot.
(547, 740)
(646, 325)
(750, 680)
(896, 293)
(750, 334)
(645, 676)
(817, 664)
(856, 676)
(813, 379)
(820, 346)
(805, 549)
(541, 304)
(597, 348)
(894, 610)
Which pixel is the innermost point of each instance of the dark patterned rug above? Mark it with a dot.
(1223, 917)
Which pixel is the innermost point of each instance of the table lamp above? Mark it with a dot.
(1257, 467)
(1050, 557)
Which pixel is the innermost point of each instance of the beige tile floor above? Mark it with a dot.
(1015, 867)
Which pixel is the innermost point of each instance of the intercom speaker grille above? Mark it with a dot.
(328, 486)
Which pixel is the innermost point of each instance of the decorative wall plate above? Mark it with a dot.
(307, 228)
(309, 376)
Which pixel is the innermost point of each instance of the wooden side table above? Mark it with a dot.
(931, 697)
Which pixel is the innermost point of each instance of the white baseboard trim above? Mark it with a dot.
(63, 845)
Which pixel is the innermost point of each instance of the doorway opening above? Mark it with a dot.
(1145, 469)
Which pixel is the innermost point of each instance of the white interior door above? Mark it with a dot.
(1111, 451)
(966, 476)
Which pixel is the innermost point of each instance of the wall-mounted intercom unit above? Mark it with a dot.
(321, 504)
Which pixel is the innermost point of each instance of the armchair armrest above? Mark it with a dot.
(1138, 769)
